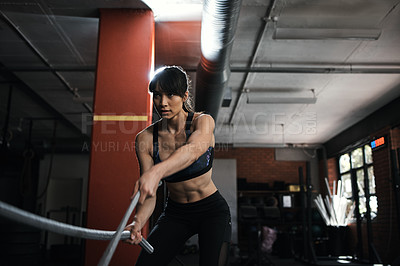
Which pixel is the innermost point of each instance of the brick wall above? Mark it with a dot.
(385, 226)
(331, 165)
(258, 165)
(395, 138)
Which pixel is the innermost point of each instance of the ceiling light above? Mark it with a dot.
(259, 145)
(263, 97)
(325, 34)
(281, 100)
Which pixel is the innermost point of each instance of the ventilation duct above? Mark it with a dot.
(218, 27)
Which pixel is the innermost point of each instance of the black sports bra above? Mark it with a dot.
(201, 166)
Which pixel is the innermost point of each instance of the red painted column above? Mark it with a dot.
(122, 107)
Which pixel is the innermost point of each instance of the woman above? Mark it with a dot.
(179, 148)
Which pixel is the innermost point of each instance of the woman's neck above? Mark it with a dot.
(175, 124)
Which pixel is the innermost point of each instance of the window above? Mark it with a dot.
(360, 162)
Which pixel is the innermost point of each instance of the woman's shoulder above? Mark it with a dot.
(202, 115)
(203, 119)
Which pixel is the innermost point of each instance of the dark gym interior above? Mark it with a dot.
(305, 95)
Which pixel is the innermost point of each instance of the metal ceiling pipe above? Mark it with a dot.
(218, 27)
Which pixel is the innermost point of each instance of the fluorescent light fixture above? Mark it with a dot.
(326, 34)
(258, 145)
(281, 100)
(344, 261)
(254, 97)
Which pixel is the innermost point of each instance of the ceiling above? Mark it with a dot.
(315, 67)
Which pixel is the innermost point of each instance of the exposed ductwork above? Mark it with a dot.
(218, 27)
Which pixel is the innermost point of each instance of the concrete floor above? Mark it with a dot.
(192, 260)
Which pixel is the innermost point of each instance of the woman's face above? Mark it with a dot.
(168, 105)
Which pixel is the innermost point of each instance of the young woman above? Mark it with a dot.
(179, 148)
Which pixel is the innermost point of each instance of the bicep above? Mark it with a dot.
(203, 132)
(143, 155)
(145, 162)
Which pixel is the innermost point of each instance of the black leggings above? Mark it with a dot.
(209, 218)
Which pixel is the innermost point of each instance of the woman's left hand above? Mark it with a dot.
(135, 233)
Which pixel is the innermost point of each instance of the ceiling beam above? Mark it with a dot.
(324, 69)
(260, 35)
(327, 68)
(52, 69)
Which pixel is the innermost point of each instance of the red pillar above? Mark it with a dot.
(122, 107)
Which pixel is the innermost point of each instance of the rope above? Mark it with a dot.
(40, 222)
(106, 258)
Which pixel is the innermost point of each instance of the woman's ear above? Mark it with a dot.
(186, 96)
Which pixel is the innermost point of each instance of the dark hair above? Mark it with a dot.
(174, 80)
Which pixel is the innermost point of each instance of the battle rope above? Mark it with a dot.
(107, 255)
(40, 222)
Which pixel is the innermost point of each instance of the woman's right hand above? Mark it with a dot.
(136, 234)
(147, 184)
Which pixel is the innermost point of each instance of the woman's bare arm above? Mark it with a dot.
(143, 210)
